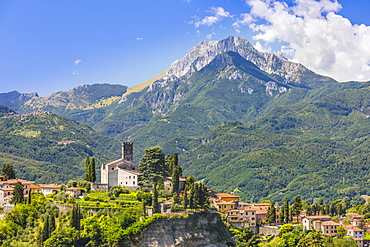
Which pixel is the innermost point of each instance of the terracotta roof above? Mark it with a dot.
(14, 181)
(329, 223)
(318, 217)
(32, 186)
(50, 186)
(225, 195)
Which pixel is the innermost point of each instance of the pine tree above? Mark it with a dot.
(153, 165)
(92, 171)
(87, 169)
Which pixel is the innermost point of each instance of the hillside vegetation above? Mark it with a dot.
(315, 149)
(49, 148)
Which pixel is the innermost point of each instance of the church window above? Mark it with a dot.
(133, 182)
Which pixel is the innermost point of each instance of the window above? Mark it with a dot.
(129, 177)
(126, 182)
(133, 182)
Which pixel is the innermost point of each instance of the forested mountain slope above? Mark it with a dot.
(316, 148)
(48, 148)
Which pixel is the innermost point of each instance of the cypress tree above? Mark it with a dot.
(92, 171)
(76, 217)
(52, 224)
(176, 179)
(29, 199)
(286, 210)
(18, 196)
(87, 169)
(46, 229)
(185, 198)
(155, 199)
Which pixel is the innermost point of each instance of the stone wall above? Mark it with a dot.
(200, 229)
(268, 230)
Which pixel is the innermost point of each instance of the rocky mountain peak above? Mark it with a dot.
(202, 54)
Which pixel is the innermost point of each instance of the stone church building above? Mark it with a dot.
(122, 172)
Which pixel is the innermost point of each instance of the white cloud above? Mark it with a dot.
(209, 36)
(77, 62)
(139, 38)
(317, 36)
(219, 14)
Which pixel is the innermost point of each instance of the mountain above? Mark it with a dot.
(16, 99)
(216, 81)
(242, 120)
(315, 149)
(45, 147)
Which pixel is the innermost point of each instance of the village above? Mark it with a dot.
(125, 173)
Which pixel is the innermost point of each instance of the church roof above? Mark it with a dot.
(120, 162)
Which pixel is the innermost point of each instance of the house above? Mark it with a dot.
(243, 217)
(7, 188)
(74, 192)
(47, 189)
(167, 182)
(227, 197)
(122, 172)
(356, 233)
(328, 227)
(314, 222)
(223, 206)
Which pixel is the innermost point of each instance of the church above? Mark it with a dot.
(122, 172)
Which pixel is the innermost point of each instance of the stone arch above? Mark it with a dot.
(230, 244)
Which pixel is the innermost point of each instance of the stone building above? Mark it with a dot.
(122, 172)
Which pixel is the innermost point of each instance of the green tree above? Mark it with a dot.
(341, 231)
(63, 237)
(92, 171)
(87, 169)
(76, 217)
(271, 213)
(8, 172)
(297, 206)
(286, 210)
(152, 165)
(155, 199)
(46, 229)
(18, 196)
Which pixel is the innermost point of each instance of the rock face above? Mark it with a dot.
(203, 53)
(201, 229)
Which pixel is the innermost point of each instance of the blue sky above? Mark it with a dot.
(54, 45)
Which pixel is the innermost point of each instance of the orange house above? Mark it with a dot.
(227, 197)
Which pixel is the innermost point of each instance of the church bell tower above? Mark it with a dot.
(127, 151)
